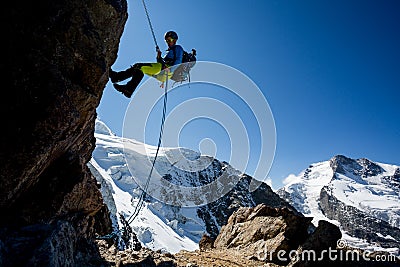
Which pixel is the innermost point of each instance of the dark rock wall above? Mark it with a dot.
(356, 222)
(56, 56)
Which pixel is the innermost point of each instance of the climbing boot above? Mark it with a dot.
(125, 89)
(118, 76)
(130, 86)
(113, 76)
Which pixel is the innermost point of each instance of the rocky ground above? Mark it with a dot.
(203, 258)
(245, 241)
(147, 257)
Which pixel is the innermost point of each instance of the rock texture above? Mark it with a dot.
(358, 223)
(362, 196)
(264, 232)
(263, 229)
(239, 196)
(247, 240)
(55, 67)
(354, 221)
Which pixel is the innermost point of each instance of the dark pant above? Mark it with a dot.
(133, 72)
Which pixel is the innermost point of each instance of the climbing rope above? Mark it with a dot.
(146, 186)
(151, 26)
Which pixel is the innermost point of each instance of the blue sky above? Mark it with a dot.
(330, 71)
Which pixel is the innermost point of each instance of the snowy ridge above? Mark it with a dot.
(167, 227)
(349, 192)
(370, 194)
(304, 190)
(157, 226)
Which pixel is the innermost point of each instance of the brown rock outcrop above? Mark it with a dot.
(206, 243)
(263, 231)
(253, 237)
(55, 67)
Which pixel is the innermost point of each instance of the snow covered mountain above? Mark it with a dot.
(161, 226)
(360, 196)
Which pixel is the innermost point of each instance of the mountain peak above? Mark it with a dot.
(362, 167)
(359, 195)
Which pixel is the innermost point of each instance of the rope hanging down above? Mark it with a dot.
(146, 186)
(151, 26)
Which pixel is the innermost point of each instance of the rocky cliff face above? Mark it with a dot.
(363, 222)
(57, 56)
(358, 223)
(359, 195)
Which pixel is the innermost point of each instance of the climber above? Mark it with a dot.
(137, 71)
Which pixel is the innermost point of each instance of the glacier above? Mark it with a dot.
(361, 197)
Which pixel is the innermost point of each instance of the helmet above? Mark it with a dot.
(171, 34)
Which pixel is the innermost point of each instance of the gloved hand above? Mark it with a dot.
(158, 52)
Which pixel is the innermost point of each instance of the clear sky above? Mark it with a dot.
(330, 71)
